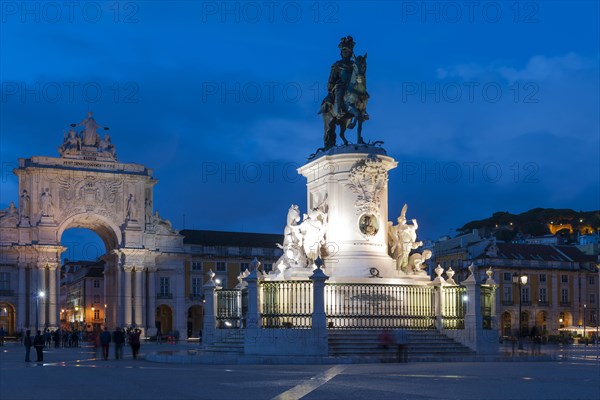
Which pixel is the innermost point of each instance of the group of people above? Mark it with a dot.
(38, 341)
(119, 337)
(73, 338)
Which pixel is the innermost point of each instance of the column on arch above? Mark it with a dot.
(127, 294)
(22, 297)
(151, 294)
(139, 295)
(41, 300)
(52, 295)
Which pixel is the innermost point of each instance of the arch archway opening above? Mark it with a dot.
(8, 320)
(195, 321)
(164, 319)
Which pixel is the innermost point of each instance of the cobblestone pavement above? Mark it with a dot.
(78, 374)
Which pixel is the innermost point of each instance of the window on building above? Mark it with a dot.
(564, 278)
(507, 276)
(592, 298)
(543, 295)
(268, 267)
(507, 294)
(592, 280)
(564, 295)
(525, 294)
(221, 266)
(96, 283)
(4, 280)
(96, 313)
(244, 266)
(196, 286)
(196, 265)
(96, 299)
(542, 278)
(165, 286)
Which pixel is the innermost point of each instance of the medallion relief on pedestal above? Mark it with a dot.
(367, 180)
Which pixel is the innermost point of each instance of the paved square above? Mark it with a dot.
(77, 374)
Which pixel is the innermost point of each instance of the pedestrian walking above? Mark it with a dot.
(56, 337)
(38, 343)
(48, 337)
(2, 334)
(27, 342)
(401, 344)
(119, 339)
(105, 342)
(134, 342)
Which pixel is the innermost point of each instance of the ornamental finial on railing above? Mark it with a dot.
(241, 284)
(450, 273)
(210, 274)
(210, 283)
(254, 265)
(438, 281)
(471, 277)
(319, 262)
(490, 277)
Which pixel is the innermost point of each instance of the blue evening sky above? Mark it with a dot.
(487, 106)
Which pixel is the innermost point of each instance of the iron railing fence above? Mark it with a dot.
(379, 306)
(286, 304)
(486, 306)
(453, 307)
(229, 309)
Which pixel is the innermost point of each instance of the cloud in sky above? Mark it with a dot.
(481, 116)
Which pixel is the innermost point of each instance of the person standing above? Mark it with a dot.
(134, 342)
(2, 333)
(38, 343)
(27, 342)
(119, 339)
(105, 342)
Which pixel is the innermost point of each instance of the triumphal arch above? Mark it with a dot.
(87, 187)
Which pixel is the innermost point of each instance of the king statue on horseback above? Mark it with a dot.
(346, 102)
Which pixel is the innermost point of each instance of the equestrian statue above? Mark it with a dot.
(346, 102)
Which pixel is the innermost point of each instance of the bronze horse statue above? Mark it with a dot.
(355, 107)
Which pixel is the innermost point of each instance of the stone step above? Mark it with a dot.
(421, 345)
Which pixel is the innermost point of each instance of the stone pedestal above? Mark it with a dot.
(47, 230)
(132, 234)
(351, 181)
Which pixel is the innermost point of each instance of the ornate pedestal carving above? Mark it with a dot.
(353, 180)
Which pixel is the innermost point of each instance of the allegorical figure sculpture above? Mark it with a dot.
(46, 205)
(71, 144)
(106, 145)
(24, 206)
(131, 206)
(313, 229)
(346, 102)
(402, 239)
(302, 242)
(90, 137)
(293, 254)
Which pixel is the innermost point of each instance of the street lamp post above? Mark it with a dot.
(520, 280)
(584, 337)
(37, 309)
